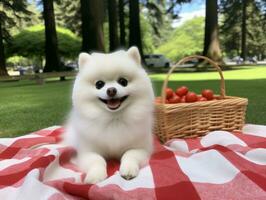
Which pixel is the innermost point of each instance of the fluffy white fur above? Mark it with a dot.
(100, 133)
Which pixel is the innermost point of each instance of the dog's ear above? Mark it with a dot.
(83, 59)
(133, 52)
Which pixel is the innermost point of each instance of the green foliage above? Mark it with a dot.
(159, 19)
(10, 13)
(146, 33)
(106, 36)
(31, 41)
(147, 36)
(185, 40)
(231, 29)
(27, 20)
(18, 60)
(166, 29)
(68, 15)
(155, 20)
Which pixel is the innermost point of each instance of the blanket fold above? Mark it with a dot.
(220, 165)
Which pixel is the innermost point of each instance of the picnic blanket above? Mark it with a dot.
(220, 165)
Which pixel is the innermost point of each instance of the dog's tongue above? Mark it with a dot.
(113, 103)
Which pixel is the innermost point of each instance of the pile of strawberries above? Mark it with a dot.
(183, 95)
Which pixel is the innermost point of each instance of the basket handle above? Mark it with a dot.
(185, 59)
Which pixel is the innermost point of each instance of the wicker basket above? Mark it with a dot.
(188, 120)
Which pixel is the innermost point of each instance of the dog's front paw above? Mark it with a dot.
(96, 175)
(129, 169)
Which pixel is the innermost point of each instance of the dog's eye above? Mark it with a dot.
(122, 81)
(99, 84)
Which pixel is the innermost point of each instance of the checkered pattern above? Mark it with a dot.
(221, 165)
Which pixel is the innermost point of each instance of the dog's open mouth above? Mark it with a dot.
(114, 103)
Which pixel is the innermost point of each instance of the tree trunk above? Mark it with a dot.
(113, 32)
(3, 71)
(211, 37)
(244, 30)
(134, 26)
(92, 25)
(122, 23)
(52, 62)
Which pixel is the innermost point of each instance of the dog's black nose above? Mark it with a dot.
(111, 92)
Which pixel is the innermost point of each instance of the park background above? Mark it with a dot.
(45, 37)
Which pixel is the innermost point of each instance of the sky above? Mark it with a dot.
(190, 10)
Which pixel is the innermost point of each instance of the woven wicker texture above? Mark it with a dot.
(189, 120)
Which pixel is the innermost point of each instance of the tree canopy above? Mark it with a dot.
(67, 15)
(185, 40)
(231, 28)
(30, 42)
(10, 11)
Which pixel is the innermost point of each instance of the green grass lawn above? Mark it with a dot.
(25, 106)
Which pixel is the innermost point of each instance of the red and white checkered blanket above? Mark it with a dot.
(221, 165)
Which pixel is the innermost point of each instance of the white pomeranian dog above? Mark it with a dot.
(112, 114)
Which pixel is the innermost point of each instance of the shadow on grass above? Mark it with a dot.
(23, 83)
(194, 69)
